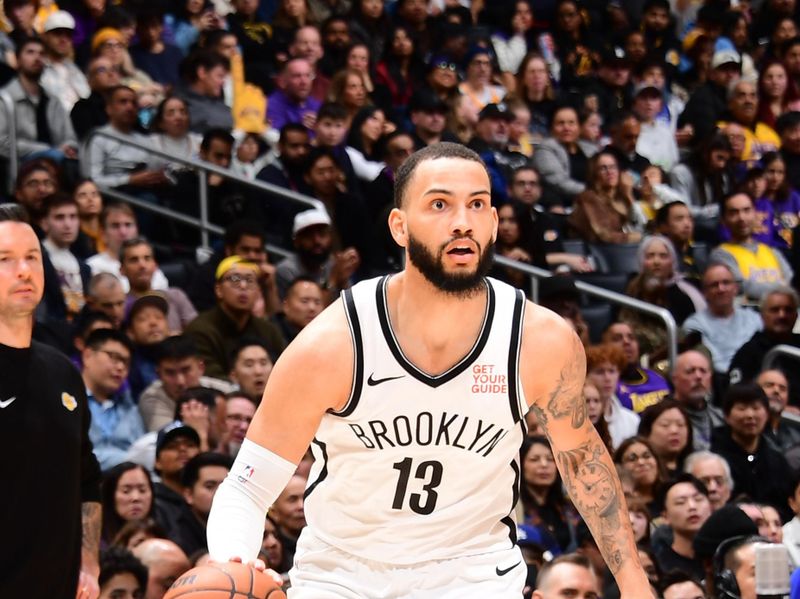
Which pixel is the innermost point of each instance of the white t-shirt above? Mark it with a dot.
(105, 263)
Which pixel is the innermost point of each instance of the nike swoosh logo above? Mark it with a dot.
(7, 402)
(500, 572)
(373, 381)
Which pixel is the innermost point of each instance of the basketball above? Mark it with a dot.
(228, 580)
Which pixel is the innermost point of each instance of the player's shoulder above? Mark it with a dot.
(546, 336)
(542, 321)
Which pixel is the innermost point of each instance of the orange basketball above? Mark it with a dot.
(228, 580)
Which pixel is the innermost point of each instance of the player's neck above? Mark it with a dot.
(428, 301)
(16, 331)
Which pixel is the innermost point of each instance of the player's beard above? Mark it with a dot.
(462, 285)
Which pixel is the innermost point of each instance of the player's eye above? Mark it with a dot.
(478, 204)
(438, 204)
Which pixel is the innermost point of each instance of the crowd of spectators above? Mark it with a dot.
(650, 147)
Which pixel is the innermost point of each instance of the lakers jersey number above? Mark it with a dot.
(418, 467)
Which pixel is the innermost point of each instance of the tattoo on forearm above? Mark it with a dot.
(596, 492)
(90, 520)
(567, 397)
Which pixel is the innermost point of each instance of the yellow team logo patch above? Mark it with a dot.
(69, 401)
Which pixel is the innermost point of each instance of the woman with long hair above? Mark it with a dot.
(534, 87)
(607, 212)
(401, 69)
(773, 93)
(127, 495)
(544, 503)
(90, 205)
(705, 177)
(290, 16)
(349, 90)
(370, 24)
(668, 429)
(364, 139)
(780, 201)
(575, 47)
(637, 456)
(595, 410)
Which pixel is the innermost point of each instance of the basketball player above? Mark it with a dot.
(50, 518)
(411, 390)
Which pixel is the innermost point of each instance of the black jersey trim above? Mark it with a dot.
(513, 357)
(358, 350)
(323, 474)
(508, 520)
(408, 366)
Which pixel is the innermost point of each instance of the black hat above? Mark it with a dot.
(728, 521)
(173, 430)
(496, 111)
(614, 55)
(425, 100)
(155, 300)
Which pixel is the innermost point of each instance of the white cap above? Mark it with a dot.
(60, 19)
(310, 218)
(725, 57)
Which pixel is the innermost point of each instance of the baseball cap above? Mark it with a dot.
(644, 86)
(231, 261)
(426, 100)
(311, 218)
(155, 300)
(725, 57)
(614, 55)
(174, 430)
(59, 19)
(496, 111)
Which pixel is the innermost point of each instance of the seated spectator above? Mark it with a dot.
(307, 44)
(314, 256)
(200, 478)
(511, 244)
(127, 496)
(535, 88)
(639, 387)
(152, 54)
(364, 142)
(724, 327)
(653, 192)
(675, 222)
(250, 155)
(292, 102)
(625, 129)
(743, 110)
(146, 326)
(680, 585)
(303, 302)
(779, 203)
(106, 295)
(35, 181)
(519, 137)
(116, 422)
(713, 471)
(692, 389)
(668, 429)
(401, 70)
(562, 160)
(41, 124)
(477, 86)
(62, 78)
(329, 135)
(164, 561)
(606, 211)
(119, 224)
(90, 112)
(594, 411)
(603, 365)
(138, 265)
(336, 40)
(755, 264)
(217, 330)
(170, 130)
(64, 292)
(783, 433)
(428, 114)
(288, 514)
(758, 469)
(349, 91)
(788, 128)
(656, 142)
(205, 74)
(90, 206)
(567, 574)
(251, 367)
(110, 163)
(686, 508)
(272, 549)
(176, 444)
(239, 412)
(738, 557)
(638, 458)
(121, 574)
(179, 368)
(659, 282)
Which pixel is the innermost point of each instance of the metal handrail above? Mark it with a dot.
(663, 314)
(13, 150)
(206, 167)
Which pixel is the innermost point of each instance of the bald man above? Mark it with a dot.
(568, 575)
(165, 562)
(691, 378)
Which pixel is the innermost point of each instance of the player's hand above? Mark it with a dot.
(258, 564)
(88, 588)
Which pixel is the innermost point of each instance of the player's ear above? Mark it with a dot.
(398, 227)
(495, 222)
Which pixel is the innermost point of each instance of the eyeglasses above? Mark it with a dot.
(117, 358)
(607, 168)
(450, 66)
(31, 183)
(632, 458)
(237, 279)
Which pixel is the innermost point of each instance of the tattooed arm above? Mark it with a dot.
(90, 549)
(553, 369)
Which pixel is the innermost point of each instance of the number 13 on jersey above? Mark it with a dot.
(430, 472)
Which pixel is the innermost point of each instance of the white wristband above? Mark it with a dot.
(236, 522)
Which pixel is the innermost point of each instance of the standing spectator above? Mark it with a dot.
(713, 471)
(757, 265)
(62, 78)
(292, 102)
(724, 327)
(303, 302)
(116, 422)
(50, 416)
(216, 331)
(783, 433)
(691, 380)
(138, 265)
(251, 367)
(42, 125)
(90, 112)
(205, 75)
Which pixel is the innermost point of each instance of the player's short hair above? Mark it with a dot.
(13, 213)
(576, 559)
(433, 152)
(191, 471)
(118, 560)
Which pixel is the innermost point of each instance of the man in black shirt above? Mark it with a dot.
(51, 502)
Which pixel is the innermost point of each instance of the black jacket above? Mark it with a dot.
(704, 108)
(746, 363)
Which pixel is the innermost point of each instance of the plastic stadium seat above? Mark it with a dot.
(612, 281)
(178, 273)
(574, 246)
(620, 257)
(598, 317)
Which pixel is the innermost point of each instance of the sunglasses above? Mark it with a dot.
(446, 65)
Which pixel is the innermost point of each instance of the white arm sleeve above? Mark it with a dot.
(236, 522)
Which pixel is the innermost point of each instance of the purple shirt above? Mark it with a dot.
(774, 221)
(650, 388)
(282, 110)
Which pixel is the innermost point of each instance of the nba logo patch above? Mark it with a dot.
(69, 401)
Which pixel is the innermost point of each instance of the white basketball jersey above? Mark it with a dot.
(419, 467)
